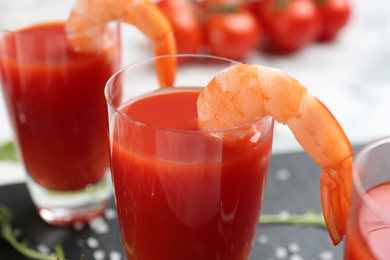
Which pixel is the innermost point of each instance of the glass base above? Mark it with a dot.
(63, 208)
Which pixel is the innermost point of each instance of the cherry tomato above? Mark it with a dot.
(335, 15)
(233, 35)
(186, 27)
(289, 25)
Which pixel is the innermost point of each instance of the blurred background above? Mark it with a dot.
(349, 74)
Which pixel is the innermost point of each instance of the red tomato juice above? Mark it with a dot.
(369, 235)
(56, 105)
(184, 194)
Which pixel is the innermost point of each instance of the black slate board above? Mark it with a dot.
(296, 195)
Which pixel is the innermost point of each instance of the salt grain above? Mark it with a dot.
(110, 213)
(114, 255)
(99, 254)
(293, 248)
(99, 225)
(281, 253)
(326, 255)
(78, 226)
(296, 257)
(43, 249)
(282, 174)
(263, 239)
(284, 215)
(92, 242)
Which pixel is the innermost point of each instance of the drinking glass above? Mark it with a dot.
(182, 193)
(55, 101)
(369, 219)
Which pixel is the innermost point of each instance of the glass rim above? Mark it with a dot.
(203, 56)
(20, 30)
(356, 178)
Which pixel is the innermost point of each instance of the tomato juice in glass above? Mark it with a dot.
(369, 219)
(182, 193)
(55, 102)
(58, 109)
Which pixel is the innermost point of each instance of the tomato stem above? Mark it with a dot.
(320, 2)
(281, 4)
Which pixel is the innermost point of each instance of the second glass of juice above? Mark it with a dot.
(368, 232)
(182, 193)
(56, 106)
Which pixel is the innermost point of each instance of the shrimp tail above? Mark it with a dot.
(323, 139)
(148, 18)
(335, 193)
(166, 68)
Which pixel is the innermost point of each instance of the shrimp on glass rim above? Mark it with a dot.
(92, 14)
(243, 93)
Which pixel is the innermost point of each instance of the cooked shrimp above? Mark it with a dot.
(243, 93)
(88, 15)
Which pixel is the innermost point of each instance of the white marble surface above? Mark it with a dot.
(350, 75)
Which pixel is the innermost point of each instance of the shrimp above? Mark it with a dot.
(87, 16)
(243, 93)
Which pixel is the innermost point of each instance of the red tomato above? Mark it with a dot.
(186, 27)
(335, 15)
(233, 35)
(291, 26)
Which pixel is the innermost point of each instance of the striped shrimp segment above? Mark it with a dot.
(243, 93)
(88, 16)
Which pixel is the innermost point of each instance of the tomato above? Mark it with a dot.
(186, 27)
(291, 25)
(233, 35)
(335, 15)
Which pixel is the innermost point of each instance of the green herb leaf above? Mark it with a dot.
(7, 152)
(310, 218)
(60, 252)
(8, 234)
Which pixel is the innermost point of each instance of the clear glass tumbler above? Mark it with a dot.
(369, 219)
(182, 193)
(55, 101)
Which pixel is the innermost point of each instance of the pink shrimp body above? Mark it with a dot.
(243, 93)
(89, 16)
